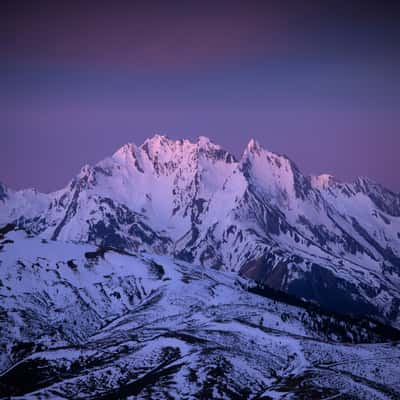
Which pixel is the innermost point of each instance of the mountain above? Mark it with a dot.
(337, 244)
(79, 321)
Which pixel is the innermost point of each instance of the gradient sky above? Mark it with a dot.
(316, 80)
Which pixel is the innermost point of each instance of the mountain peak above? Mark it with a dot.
(204, 141)
(158, 140)
(253, 146)
(365, 183)
(268, 157)
(85, 170)
(323, 181)
(124, 150)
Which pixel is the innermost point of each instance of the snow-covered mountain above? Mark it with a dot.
(79, 321)
(334, 243)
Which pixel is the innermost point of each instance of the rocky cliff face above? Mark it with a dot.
(335, 243)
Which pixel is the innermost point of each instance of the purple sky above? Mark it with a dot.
(315, 80)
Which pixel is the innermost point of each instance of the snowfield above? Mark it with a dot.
(79, 321)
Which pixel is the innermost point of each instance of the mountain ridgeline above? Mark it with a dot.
(336, 244)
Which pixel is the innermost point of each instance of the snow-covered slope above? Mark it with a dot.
(81, 322)
(337, 244)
